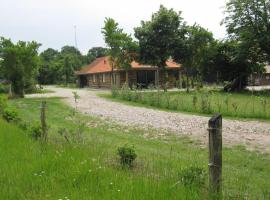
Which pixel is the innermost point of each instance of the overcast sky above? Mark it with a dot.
(51, 22)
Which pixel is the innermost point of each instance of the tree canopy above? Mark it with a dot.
(248, 22)
(121, 47)
(20, 64)
(157, 38)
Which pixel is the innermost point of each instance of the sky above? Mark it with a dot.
(51, 22)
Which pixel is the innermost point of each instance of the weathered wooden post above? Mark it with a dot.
(215, 155)
(43, 120)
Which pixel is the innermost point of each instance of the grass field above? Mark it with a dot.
(247, 104)
(90, 169)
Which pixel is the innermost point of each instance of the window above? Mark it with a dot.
(94, 78)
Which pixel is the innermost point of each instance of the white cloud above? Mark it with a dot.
(51, 22)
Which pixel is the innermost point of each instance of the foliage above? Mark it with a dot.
(49, 68)
(157, 38)
(247, 21)
(193, 51)
(193, 176)
(96, 52)
(20, 64)
(121, 47)
(35, 131)
(205, 101)
(4, 88)
(127, 155)
(10, 114)
(88, 169)
(59, 67)
(3, 102)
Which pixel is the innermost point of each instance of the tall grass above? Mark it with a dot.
(169, 168)
(240, 105)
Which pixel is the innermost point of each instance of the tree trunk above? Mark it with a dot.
(164, 79)
(112, 77)
(192, 81)
(157, 79)
(187, 83)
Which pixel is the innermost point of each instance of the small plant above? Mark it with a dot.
(205, 103)
(125, 92)
(194, 101)
(64, 132)
(36, 131)
(127, 155)
(10, 114)
(114, 91)
(264, 106)
(235, 107)
(193, 176)
(226, 101)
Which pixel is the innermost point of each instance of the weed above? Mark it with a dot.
(10, 114)
(193, 176)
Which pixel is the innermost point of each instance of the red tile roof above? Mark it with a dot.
(101, 65)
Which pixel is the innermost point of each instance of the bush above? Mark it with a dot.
(36, 131)
(3, 102)
(4, 88)
(10, 114)
(127, 155)
(193, 176)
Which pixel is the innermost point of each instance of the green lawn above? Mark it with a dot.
(249, 105)
(91, 170)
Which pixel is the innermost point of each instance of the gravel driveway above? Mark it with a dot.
(252, 134)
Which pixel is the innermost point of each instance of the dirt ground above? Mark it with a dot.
(255, 135)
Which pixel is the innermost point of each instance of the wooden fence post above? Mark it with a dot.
(43, 120)
(215, 155)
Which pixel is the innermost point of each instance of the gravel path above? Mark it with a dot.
(252, 134)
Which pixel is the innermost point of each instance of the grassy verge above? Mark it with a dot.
(91, 170)
(245, 105)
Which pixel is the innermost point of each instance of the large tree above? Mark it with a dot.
(157, 39)
(193, 50)
(20, 64)
(248, 22)
(49, 67)
(121, 47)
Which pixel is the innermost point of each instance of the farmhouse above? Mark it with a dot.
(260, 79)
(99, 74)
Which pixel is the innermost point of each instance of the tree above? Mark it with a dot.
(48, 70)
(68, 68)
(157, 39)
(121, 47)
(248, 22)
(96, 52)
(195, 47)
(20, 64)
(234, 65)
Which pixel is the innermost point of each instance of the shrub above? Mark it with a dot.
(10, 114)
(3, 102)
(4, 88)
(127, 155)
(193, 176)
(36, 131)
(23, 125)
